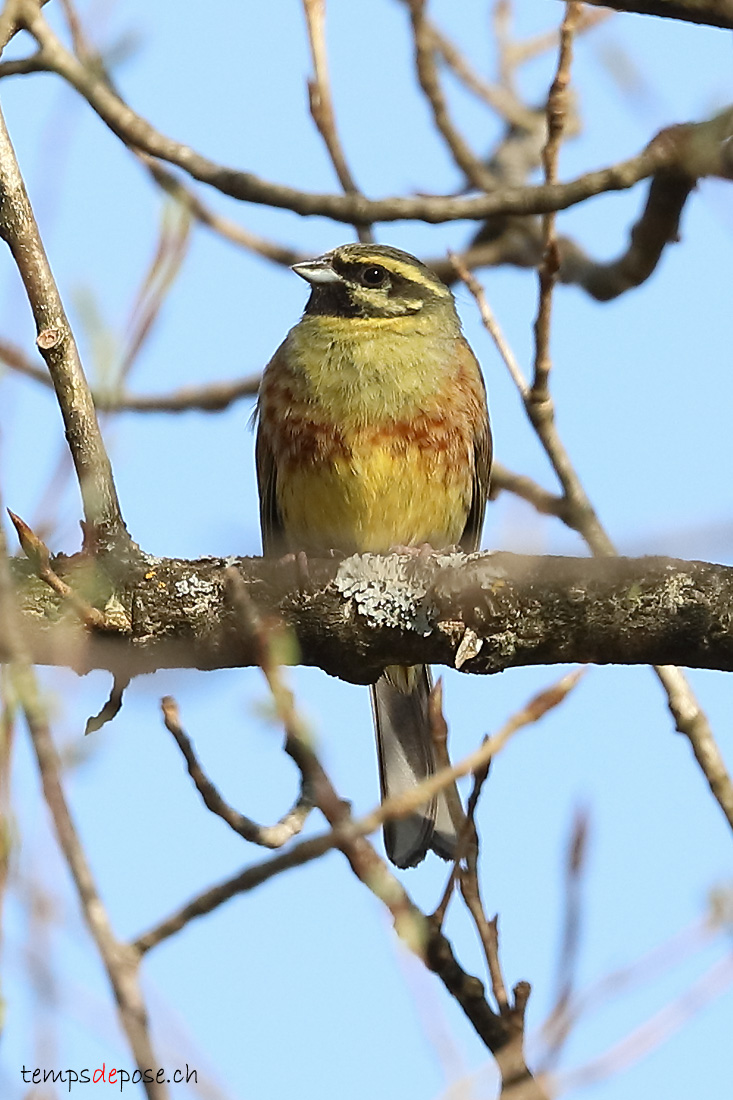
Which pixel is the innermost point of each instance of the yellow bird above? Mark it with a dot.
(374, 433)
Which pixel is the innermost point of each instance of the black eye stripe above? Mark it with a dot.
(360, 273)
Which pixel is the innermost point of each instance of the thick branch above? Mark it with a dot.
(714, 13)
(358, 615)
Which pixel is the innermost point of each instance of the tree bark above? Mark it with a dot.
(482, 612)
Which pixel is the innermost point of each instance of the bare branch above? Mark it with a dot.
(358, 615)
(518, 242)
(119, 961)
(57, 345)
(268, 836)
(713, 13)
(351, 829)
(657, 227)
(550, 266)
(425, 48)
(211, 397)
(698, 149)
(688, 716)
(321, 103)
(654, 1031)
(419, 934)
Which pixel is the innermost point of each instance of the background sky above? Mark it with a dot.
(301, 988)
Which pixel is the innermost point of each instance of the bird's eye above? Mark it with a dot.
(373, 276)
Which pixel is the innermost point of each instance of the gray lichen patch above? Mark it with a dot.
(678, 590)
(387, 590)
(194, 587)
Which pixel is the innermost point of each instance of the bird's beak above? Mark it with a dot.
(317, 271)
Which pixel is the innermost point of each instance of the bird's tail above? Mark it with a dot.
(400, 700)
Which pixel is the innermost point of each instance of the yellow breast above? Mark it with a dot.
(373, 440)
(381, 494)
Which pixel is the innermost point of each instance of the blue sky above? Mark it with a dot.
(301, 986)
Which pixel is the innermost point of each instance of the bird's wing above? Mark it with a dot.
(271, 523)
(482, 454)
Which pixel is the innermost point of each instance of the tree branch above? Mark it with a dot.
(321, 103)
(57, 345)
(426, 44)
(713, 13)
(698, 149)
(209, 397)
(120, 962)
(688, 715)
(360, 614)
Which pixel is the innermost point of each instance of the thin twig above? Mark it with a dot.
(470, 888)
(40, 556)
(119, 961)
(652, 1033)
(556, 1028)
(165, 266)
(545, 502)
(439, 736)
(268, 836)
(242, 883)
(76, 30)
(550, 266)
(211, 397)
(230, 230)
(519, 53)
(662, 958)
(491, 325)
(321, 102)
(425, 49)
(496, 96)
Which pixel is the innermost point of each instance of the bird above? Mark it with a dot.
(373, 434)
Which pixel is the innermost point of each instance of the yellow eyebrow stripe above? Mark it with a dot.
(409, 272)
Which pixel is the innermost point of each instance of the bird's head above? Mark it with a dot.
(372, 280)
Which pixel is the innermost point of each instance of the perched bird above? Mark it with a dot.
(374, 433)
